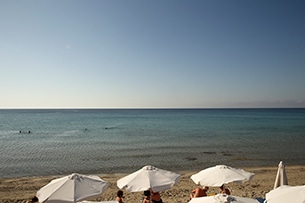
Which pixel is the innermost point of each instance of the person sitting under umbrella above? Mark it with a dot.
(120, 196)
(224, 190)
(155, 197)
(146, 197)
(199, 192)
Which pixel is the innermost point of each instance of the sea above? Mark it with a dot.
(44, 142)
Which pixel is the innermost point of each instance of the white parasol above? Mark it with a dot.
(281, 177)
(72, 188)
(148, 177)
(219, 175)
(286, 194)
(223, 198)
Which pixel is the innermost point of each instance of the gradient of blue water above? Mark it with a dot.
(123, 140)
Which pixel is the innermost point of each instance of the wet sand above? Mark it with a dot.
(22, 189)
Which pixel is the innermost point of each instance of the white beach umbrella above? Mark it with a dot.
(223, 198)
(148, 177)
(286, 194)
(72, 188)
(281, 177)
(110, 201)
(219, 175)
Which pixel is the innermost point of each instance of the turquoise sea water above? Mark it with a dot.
(94, 141)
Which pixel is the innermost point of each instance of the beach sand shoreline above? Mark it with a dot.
(13, 190)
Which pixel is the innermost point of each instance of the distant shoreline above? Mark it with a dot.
(118, 173)
(152, 108)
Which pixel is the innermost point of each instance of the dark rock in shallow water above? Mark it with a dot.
(191, 158)
(209, 152)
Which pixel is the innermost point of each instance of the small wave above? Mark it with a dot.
(6, 133)
(69, 133)
(111, 127)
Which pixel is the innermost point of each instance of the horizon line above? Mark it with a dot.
(131, 108)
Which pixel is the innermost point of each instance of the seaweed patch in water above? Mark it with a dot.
(191, 158)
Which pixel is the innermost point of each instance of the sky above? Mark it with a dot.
(152, 54)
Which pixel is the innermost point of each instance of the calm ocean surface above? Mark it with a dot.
(116, 140)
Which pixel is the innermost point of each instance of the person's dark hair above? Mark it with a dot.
(34, 199)
(120, 193)
(146, 193)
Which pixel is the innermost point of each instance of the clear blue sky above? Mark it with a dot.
(151, 54)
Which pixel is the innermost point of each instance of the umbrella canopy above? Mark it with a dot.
(110, 201)
(285, 194)
(148, 177)
(223, 198)
(219, 175)
(72, 188)
(281, 177)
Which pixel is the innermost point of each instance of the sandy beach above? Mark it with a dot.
(22, 189)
